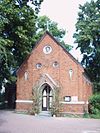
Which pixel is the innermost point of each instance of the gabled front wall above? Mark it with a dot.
(74, 86)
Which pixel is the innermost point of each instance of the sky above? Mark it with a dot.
(65, 13)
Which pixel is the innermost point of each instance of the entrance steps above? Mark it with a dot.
(45, 114)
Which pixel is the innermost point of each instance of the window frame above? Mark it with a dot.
(66, 98)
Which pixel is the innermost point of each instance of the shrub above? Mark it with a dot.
(56, 105)
(94, 105)
(36, 102)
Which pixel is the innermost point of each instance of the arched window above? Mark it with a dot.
(26, 75)
(47, 97)
(50, 97)
(70, 73)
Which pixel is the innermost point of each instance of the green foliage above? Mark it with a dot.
(36, 101)
(88, 38)
(86, 115)
(20, 28)
(95, 116)
(17, 30)
(56, 105)
(44, 23)
(94, 103)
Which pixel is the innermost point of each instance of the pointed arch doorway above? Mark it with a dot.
(47, 97)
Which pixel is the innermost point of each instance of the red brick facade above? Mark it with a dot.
(57, 69)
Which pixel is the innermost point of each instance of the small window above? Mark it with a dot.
(38, 65)
(47, 49)
(26, 76)
(67, 98)
(55, 64)
(70, 73)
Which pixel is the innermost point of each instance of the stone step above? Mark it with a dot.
(45, 113)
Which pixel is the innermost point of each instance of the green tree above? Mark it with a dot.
(44, 23)
(88, 38)
(94, 105)
(17, 30)
(20, 28)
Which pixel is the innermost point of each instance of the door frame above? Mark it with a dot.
(46, 97)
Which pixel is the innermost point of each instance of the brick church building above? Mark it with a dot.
(49, 69)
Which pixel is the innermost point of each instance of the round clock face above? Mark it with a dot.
(47, 49)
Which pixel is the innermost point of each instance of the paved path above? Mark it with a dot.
(11, 122)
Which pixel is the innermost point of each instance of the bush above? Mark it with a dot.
(36, 101)
(56, 105)
(94, 105)
(86, 115)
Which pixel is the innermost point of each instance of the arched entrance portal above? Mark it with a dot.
(47, 97)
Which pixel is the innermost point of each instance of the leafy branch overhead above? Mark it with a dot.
(88, 38)
(20, 28)
(17, 30)
(44, 23)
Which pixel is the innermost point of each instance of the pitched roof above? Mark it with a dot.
(37, 43)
